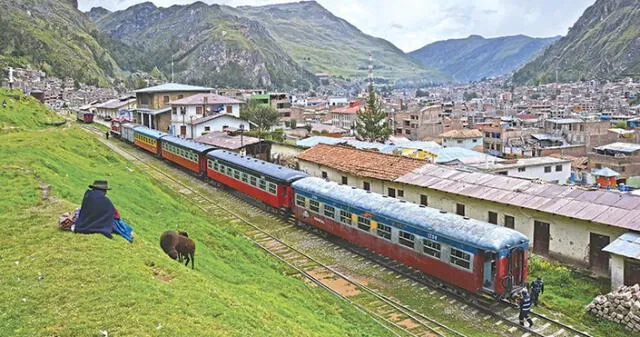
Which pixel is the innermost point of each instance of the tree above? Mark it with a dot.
(621, 125)
(263, 116)
(371, 124)
(467, 96)
(422, 93)
(293, 124)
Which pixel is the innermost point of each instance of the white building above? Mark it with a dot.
(202, 113)
(338, 101)
(465, 138)
(547, 169)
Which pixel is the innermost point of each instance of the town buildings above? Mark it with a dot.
(549, 169)
(199, 114)
(426, 123)
(110, 108)
(465, 138)
(345, 117)
(624, 158)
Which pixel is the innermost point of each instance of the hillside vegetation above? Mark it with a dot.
(59, 283)
(475, 57)
(604, 44)
(22, 112)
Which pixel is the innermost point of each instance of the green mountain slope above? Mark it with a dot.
(475, 57)
(209, 46)
(63, 284)
(322, 42)
(603, 44)
(54, 36)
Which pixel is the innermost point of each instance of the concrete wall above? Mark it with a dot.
(537, 172)
(617, 271)
(467, 143)
(569, 238)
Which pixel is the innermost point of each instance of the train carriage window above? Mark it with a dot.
(253, 181)
(406, 239)
(345, 217)
(384, 231)
(236, 174)
(329, 211)
(229, 171)
(364, 223)
(216, 167)
(245, 177)
(314, 206)
(263, 184)
(273, 189)
(431, 248)
(460, 258)
(300, 200)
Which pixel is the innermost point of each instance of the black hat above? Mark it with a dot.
(100, 185)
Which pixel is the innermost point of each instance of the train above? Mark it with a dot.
(465, 253)
(84, 116)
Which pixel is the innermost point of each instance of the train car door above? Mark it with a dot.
(598, 260)
(488, 282)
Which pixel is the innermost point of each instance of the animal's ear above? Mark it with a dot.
(184, 234)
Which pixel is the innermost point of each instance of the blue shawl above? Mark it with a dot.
(96, 214)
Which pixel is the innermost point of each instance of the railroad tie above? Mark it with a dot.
(486, 317)
(512, 329)
(526, 334)
(453, 301)
(443, 297)
(557, 333)
(499, 322)
(543, 327)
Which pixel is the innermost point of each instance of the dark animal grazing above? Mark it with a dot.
(178, 246)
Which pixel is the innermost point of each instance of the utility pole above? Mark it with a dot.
(172, 69)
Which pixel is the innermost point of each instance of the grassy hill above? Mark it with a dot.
(65, 284)
(22, 112)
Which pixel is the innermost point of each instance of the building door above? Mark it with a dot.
(229, 109)
(631, 272)
(541, 238)
(598, 260)
(183, 130)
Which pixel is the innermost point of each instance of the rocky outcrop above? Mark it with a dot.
(621, 306)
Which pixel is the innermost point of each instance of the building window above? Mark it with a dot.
(547, 169)
(460, 258)
(493, 218)
(431, 248)
(391, 192)
(407, 132)
(366, 186)
(400, 193)
(522, 169)
(424, 200)
(165, 99)
(345, 180)
(345, 217)
(314, 206)
(460, 209)
(406, 239)
(300, 202)
(329, 211)
(174, 110)
(459, 141)
(509, 221)
(324, 175)
(558, 168)
(180, 96)
(207, 128)
(198, 110)
(475, 140)
(364, 223)
(384, 231)
(183, 110)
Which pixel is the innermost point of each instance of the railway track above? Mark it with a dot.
(398, 318)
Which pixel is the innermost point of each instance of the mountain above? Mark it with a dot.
(209, 45)
(322, 42)
(603, 44)
(54, 36)
(475, 57)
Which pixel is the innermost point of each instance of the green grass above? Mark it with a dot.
(92, 283)
(568, 291)
(22, 112)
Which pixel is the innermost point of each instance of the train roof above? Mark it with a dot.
(274, 171)
(188, 144)
(150, 132)
(461, 229)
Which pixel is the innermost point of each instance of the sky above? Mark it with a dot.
(411, 24)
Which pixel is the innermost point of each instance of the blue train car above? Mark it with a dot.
(186, 153)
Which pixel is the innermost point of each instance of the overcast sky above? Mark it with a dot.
(410, 24)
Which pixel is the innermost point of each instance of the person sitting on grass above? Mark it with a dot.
(97, 211)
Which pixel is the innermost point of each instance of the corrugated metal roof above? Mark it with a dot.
(150, 132)
(627, 245)
(475, 233)
(188, 144)
(274, 171)
(620, 147)
(173, 87)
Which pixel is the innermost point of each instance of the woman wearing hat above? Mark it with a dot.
(96, 212)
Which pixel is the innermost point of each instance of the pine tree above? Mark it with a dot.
(371, 124)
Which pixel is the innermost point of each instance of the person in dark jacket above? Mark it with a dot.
(537, 288)
(96, 212)
(525, 308)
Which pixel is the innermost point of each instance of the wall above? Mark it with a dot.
(155, 101)
(617, 271)
(467, 143)
(569, 238)
(537, 172)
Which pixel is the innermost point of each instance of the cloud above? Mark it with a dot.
(410, 24)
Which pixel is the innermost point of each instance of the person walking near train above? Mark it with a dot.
(537, 288)
(525, 308)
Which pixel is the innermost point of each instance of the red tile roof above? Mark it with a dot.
(360, 162)
(352, 108)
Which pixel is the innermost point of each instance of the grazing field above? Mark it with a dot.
(22, 112)
(57, 283)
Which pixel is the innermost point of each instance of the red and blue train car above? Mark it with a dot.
(264, 181)
(186, 153)
(469, 254)
(148, 139)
